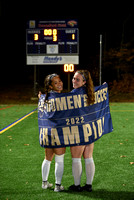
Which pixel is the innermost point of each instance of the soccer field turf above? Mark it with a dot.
(21, 157)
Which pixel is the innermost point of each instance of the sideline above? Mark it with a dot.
(6, 107)
(17, 121)
(121, 110)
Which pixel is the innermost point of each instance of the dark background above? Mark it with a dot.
(114, 22)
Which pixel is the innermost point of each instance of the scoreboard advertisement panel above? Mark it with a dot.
(52, 42)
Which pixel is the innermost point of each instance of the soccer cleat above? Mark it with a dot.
(76, 188)
(87, 188)
(58, 188)
(46, 184)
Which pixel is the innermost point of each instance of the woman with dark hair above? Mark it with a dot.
(53, 84)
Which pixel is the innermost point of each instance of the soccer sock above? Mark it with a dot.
(59, 168)
(45, 169)
(90, 170)
(76, 170)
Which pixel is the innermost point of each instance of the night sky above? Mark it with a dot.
(93, 18)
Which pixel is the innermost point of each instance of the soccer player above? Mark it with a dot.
(53, 84)
(82, 78)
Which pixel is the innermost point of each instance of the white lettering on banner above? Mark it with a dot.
(87, 131)
(61, 103)
(85, 100)
(71, 134)
(101, 95)
(74, 120)
(72, 102)
(95, 131)
(44, 135)
(77, 101)
(54, 137)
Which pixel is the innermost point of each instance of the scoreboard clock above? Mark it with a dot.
(52, 42)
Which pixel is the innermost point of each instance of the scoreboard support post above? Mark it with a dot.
(35, 91)
(69, 68)
(68, 81)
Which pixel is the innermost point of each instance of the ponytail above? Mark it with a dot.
(89, 85)
(90, 90)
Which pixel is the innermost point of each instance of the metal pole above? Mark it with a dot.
(35, 80)
(100, 82)
(68, 81)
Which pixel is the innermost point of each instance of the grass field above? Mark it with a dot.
(21, 157)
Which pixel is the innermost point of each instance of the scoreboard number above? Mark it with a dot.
(68, 68)
(51, 32)
(36, 36)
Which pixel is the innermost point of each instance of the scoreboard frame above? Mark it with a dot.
(52, 42)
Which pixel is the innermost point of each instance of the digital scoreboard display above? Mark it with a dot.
(52, 42)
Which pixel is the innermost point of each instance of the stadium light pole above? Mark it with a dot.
(35, 80)
(68, 81)
(100, 63)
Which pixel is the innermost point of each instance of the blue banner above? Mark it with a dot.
(66, 120)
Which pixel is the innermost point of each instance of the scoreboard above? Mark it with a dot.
(52, 42)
